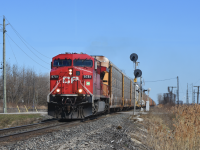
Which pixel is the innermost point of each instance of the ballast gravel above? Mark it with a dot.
(107, 133)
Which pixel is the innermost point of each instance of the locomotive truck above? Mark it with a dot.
(82, 85)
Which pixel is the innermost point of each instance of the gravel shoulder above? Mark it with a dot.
(119, 131)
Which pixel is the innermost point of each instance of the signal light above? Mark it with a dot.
(70, 72)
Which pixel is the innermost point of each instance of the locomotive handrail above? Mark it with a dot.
(58, 82)
(85, 88)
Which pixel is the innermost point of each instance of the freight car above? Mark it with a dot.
(82, 85)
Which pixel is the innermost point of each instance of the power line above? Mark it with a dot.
(30, 49)
(197, 81)
(12, 50)
(160, 80)
(21, 38)
(25, 52)
(25, 40)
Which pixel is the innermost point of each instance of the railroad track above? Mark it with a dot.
(18, 133)
(7, 131)
(25, 132)
(22, 132)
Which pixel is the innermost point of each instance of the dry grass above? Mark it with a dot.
(12, 107)
(176, 127)
(9, 120)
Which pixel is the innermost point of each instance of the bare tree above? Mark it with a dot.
(25, 86)
(160, 98)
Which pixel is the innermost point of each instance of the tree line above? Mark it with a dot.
(167, 98)
(24, 86)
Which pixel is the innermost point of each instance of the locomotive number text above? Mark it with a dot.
(87, 76)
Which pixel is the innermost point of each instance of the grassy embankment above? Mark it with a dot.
(11, 120)
(173, 128)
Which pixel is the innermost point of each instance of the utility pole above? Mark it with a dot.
(4, 68)
(33, 90)
(147, 104)
(197, 94)
(187, 101)
(192, 94)
(178, 90)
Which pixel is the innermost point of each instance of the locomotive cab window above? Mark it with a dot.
(62, 62)
(83, 62)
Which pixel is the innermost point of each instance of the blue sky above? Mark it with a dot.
(164, 34)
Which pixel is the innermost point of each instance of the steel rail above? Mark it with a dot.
(23, 126)
(6, 137)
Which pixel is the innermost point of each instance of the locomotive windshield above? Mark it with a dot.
(62, 62)
(82, 62)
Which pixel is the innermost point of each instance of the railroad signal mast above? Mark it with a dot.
(137, 73)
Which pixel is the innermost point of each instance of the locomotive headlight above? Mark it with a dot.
(80, 90)
(70, 71)
(57, 90)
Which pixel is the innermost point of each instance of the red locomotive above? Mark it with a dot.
(82, 85)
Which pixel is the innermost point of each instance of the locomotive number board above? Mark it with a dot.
(87, 76)
(54, 77)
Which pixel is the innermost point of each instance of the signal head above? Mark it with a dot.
(137, 73)
(134, 57)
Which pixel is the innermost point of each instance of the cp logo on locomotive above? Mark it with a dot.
(68, 81)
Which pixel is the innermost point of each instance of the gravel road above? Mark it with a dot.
(106, 133)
